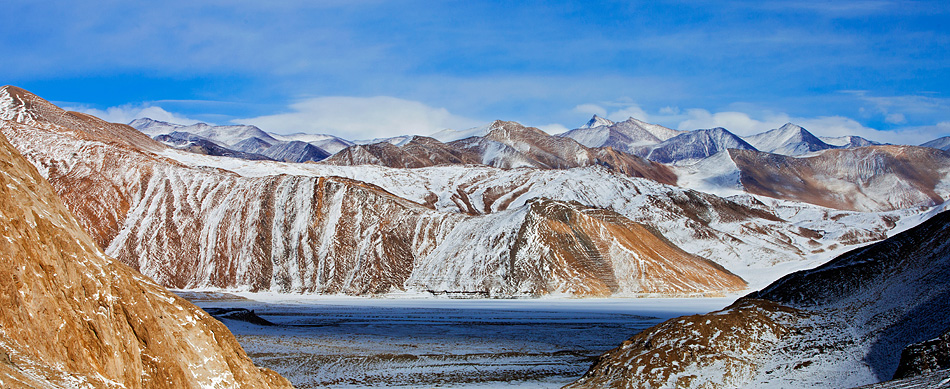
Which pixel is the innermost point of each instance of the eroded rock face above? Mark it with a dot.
(874, 178)
(72, 317)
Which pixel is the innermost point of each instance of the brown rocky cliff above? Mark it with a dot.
(72, 317)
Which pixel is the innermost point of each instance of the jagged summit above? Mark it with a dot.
(597, 121)
(790, 139)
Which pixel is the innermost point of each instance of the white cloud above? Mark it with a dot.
(553, 128)
(630, 111)
(128, 112)
(361, 117)
(895, 118)
(616, 111)
(591, 109)
(739, 123)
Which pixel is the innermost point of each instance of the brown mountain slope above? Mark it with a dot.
(599, 252)
(72, 317)
(872, 178)
(842, 324)
(420, 151)
(28, 108)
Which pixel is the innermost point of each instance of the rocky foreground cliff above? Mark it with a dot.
(71, 317)
(843, 324)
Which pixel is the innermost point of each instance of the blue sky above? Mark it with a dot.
(368, 68)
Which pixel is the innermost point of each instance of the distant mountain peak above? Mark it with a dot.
(597, 121)
(789, 139)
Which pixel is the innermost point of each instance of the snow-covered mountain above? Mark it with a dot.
(789, 139)
(939, 143)
(238, 139)
(199, 145)
(597, 121)
(293, 151)
(848, 141)
(631, 136)
(695, 145)
(418, 152)
(73, 317)
(506, 145)
(329, 143)
(449, 135)
(189, 220)
(842, 324)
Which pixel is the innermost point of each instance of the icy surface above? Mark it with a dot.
(343, 342)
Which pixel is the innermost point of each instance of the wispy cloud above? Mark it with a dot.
(128, 112)
(361, 117)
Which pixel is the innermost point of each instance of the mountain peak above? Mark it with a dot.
(789, 139)
(791, 127)
(597, 121)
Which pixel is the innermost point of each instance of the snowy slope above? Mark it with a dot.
(842, 324)
(694, 145)
(631, 136)
(597, 121)
(449, 135)
(789, 139)
(939, 143)
(242, 138)
(792, 235)
(329, 143)
(848, 141)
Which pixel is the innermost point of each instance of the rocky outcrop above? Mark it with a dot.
(72, 317)
(925, 357)
(717, 350)
(842, 324)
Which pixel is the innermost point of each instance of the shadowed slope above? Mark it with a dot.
(842, 324)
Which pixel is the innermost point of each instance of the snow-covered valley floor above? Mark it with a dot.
(438, 342)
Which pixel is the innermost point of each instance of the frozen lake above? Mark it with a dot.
(438, 342)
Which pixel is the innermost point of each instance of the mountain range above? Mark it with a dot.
(192, 221)
(505, 210)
